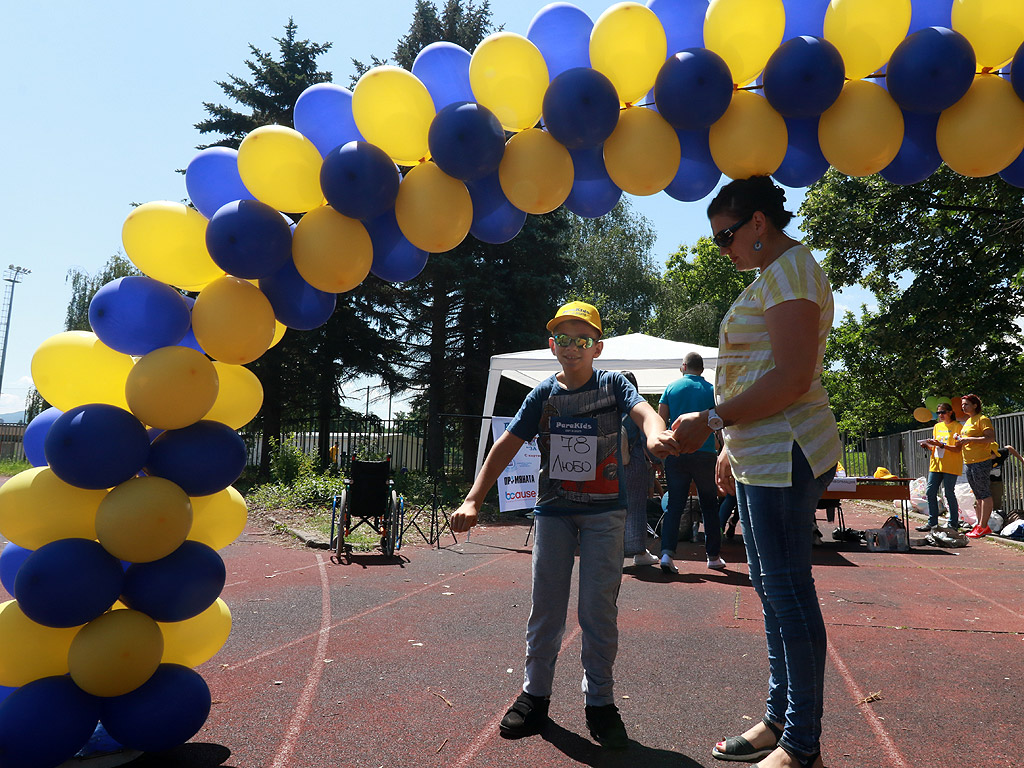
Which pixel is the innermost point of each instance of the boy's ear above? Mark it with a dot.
(598, 347)
(551, 345)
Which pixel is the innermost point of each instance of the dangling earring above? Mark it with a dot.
(758, 245)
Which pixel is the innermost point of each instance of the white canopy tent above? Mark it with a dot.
(655, 363)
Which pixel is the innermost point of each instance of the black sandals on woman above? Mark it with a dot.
(739, 750)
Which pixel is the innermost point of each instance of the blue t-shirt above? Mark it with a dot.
(599, 406)
(688, 395)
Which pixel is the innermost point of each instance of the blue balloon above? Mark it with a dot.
(165, 711)
(1017, 72)
(296, 303)
(136, 315)
(248, 239)
(918, 157)
(68, 583)
(189, 339)
(683, 22)
(805, 17)
(44, 723)
(466, 140)
(359, 180)
(395, 259)
(930, 70)
(804, 77)
(34, 438)
(176, 587)
(693, 88)
(202, 458)
(5, 691)
(561, 32)
(11, 558)
(323, 114)
(581, 108)
(495, 219)
(804, 163)
(593, 192)
(212, 179)
(697, 175)
(930, 13)
(96, 446)
(443, 68)
(1011, 174)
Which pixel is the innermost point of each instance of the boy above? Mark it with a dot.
(577, 413)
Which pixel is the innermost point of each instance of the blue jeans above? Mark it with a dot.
(948, 482)
(726, 509)
(599, 537)
(777, 525)
(679, 471)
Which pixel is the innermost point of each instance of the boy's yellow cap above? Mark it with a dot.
(577, 310)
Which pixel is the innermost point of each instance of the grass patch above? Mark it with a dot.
(11, 467)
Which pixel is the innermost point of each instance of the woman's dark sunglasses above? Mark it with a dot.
(724, 238)
(564, 340)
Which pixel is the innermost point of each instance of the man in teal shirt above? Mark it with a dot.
(690, 394)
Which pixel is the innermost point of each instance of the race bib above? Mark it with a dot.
(573, 449)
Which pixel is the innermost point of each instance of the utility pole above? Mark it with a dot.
(12, 276)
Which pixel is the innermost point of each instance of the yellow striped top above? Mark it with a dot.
(761, 451)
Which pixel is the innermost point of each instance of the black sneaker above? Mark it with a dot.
(924, 528)
(606, 726)
(525, 717)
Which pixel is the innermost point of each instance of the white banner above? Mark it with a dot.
(517, 485)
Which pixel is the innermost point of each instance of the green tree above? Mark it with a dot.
(614, 270)
(699, 286)
(940, 258)
(301, 375)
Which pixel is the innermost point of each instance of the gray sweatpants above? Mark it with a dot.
(599, 537)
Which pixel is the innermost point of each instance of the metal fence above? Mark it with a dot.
(12, 443)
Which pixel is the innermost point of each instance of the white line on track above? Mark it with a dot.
(968, 590)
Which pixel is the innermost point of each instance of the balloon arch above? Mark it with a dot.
(114, 530)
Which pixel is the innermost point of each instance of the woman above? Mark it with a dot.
(976, 437)
(781, 451)
(944, 467)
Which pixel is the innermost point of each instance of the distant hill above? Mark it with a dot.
(12, 418)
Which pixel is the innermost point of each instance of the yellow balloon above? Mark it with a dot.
(508, 75)
(233, 321)
(30, 650)
(628, 46)
(115, 653)
(76, 368)
(239, 397)
(866, 32)
(749, 139)
(218, 519)
(861, 133)
(279, 330)
(37, 507)
(281, 168)
(536, 172)
(195, 641)
(994, 28)
(433, 210)
(642, 154)
(745, 33)
(167, 241)
(983, 132)
(331, 251)
(393, 110)
(171, 387)
(143, 519)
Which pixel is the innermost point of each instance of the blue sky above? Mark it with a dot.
(99, 104)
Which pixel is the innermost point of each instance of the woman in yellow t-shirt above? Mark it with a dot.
(944, 467)
(976, 437)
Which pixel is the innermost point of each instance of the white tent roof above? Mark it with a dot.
(655, 363)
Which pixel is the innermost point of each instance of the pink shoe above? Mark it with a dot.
(979, 532)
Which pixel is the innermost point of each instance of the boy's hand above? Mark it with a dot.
(464, 517)
(662, 444)
(690, 431)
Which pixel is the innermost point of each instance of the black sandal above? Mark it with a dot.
(737, 749)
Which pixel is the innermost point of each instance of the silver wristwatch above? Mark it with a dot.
(715, 422)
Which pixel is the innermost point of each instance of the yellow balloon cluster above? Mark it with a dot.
(233, 321)
(167, 241)
(332, 252)
(866, 32)
(508, 76)
(115, 653)
(994, 28)
(628, 47)
(281, 168)
(37, 507)
(217, 519)
(983, 132)
(75, 368)
(195, 641)
(171, 387)
(143, 519)
(31, 651)
(239, 395)
(745, 33)
(393, 110)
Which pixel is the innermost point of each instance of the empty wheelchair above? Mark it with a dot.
(369, 500)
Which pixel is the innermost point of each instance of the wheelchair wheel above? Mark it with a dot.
(392, 527)
(339, 541)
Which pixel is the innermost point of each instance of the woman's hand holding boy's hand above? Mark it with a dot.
(464, 517)
(691, 430)
(662, 444)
